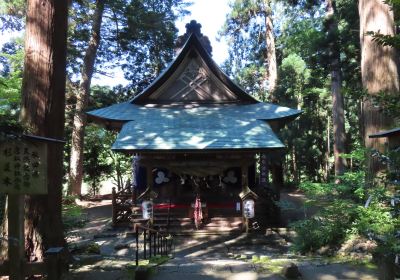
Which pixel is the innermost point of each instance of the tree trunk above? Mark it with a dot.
(270, 59)
(339, 132)
(3, 227)
(79, 123)
(42, 113)
(328, 149)
(379, 73)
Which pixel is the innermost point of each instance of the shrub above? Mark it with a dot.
(328, 228)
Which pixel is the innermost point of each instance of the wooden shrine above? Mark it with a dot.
(194, 132)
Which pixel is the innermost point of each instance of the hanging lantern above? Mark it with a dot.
(147, 209)
(248, 208)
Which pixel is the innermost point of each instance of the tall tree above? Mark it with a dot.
(242, 27)
(82, 98)
(338, 121)
(142, 32)
(270, 58)
(42, 112)
(379, 68)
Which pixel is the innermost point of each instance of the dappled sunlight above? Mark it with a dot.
(187, 132)
(337, 272)
(244, 276)
(127, 111)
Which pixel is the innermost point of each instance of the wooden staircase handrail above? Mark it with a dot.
(140, 226)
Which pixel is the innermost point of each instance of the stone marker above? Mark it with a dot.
(291, 271)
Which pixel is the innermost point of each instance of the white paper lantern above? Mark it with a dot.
(147, 209)
(248, 208)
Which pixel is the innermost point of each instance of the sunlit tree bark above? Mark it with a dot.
(82, 98)
(339, 132)
(379, 69)
(42, 112)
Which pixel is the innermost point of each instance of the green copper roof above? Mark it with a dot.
(193, 105)
(129, 112)
(186, 132)
(193, 127)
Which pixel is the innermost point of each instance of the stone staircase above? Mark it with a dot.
(176, 222)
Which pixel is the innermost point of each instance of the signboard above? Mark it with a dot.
(23, 167)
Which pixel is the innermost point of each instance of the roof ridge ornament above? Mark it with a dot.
(193, 27)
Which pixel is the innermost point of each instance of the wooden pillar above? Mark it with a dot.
(149, 183)
(149, 176)
(264, 171)
(277, 178)
(245, 188)
(16, 237)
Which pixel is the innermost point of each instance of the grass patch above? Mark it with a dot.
(146, 267)
(267, 264)
(365, 262)
(72, 214)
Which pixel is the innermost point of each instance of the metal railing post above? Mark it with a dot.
(144, 244)
(154, 243)
(150, 233)
(162, 245)
(137, 245)
(159, 245)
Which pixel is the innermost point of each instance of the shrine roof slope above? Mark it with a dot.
(196, 134)
(386, 133)
(193, 70)
(193, 105)
(258, 111)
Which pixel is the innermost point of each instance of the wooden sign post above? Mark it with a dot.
(23, 171)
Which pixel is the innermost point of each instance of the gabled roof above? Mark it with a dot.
(195, 127)
(219, 84)
(194, 106)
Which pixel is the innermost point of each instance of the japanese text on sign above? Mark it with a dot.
(22, 167)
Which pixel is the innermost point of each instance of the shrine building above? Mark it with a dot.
(195, 133)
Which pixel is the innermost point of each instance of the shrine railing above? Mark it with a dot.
(122, 202)
(154, 243)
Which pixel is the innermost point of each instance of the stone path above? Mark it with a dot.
(231, 257)
(204, 257)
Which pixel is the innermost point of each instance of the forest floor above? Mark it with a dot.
(110, 253)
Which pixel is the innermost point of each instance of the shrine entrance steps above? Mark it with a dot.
(178, 222)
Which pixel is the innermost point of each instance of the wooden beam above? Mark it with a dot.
(16, 238)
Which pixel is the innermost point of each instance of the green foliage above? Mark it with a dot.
(12, 13)
(304, 47)
(328, 228)
(245, 31)
(95, 165)
(11, 56)
(72, 214)
(348, 208)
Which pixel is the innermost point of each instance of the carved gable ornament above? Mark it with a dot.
(195, 83)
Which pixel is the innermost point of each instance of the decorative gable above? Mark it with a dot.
(194, 83)
(193, 77)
